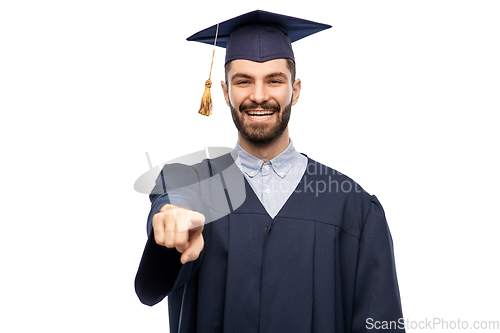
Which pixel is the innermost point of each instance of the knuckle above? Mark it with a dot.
(165, 207)
(158, 220)
(180, 242)
(159, 239)
(169, 216)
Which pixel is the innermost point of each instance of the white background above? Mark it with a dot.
(402, 96)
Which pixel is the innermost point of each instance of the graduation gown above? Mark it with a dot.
(325, 263)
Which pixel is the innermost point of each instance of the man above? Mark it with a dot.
(289, 257)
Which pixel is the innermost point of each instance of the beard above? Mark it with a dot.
(258, 133)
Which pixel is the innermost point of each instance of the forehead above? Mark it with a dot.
(258, 69)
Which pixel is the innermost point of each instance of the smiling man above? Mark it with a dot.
(261, 96)
(307, 251)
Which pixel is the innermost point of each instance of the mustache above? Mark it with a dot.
(266, 106)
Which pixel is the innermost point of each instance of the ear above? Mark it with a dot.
(296, 91)
(225, 91)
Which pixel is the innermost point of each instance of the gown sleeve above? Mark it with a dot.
(160, 270)
(377, 302)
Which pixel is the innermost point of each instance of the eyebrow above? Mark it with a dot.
(241, 75)
(276, 74)
(268, 76)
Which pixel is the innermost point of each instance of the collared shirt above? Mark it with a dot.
(273, 182)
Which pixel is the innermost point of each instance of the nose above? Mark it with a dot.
(259, 93)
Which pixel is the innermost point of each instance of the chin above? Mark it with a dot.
(262, 138)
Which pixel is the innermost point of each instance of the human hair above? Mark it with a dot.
(290, 64)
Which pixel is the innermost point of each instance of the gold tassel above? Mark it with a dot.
(206, 99)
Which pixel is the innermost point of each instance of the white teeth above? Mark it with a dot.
(260, 117)
(260, 114)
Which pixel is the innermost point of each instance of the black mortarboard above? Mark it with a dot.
(259, 35)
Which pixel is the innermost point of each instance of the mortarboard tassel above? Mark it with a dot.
(206, 99)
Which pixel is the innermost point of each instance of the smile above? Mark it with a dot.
(260, 114)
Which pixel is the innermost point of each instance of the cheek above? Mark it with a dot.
(286, 96)
(235, 98)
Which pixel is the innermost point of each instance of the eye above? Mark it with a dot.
(242, 82)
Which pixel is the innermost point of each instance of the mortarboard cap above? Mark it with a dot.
(258, 36)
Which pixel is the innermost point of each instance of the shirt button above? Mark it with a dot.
(266, 167)
(252, 173)
(268, 191)
(281, 173)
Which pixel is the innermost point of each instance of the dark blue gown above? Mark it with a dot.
(325, 263)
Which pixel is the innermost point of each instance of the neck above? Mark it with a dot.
(268, 151)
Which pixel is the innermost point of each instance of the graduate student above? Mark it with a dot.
(292, 245)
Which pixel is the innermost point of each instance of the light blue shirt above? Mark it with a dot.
(273, 182)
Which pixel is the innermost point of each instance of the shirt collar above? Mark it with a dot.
(252, 165)
(284, 161)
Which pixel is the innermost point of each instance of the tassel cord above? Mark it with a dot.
(206, 99)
